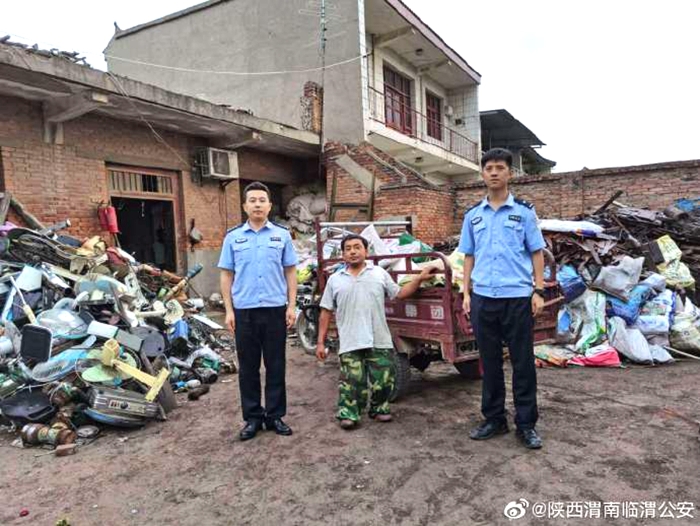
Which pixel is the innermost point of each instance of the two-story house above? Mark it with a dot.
(389, 80)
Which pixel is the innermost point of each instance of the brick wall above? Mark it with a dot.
(56, 182)
(566, 195)
(312, 107)
(400, 191)
(432, 210)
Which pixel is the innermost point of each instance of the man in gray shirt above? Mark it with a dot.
(356, 293)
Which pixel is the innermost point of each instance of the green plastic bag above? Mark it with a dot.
(407, 239)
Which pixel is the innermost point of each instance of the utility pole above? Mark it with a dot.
(323, 87)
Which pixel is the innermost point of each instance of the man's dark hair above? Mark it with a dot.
(350, 237)
(497, 154)
(256, 186)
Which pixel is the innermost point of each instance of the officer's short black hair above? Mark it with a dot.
(497, 154)
(256, 186)
(350, 237)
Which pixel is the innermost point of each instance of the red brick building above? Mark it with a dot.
(73, 138)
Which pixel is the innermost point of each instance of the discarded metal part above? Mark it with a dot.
(27, 407)
(25, 306)
(122, 402)
(99, 373)
(207, 321)
(26, 216)
(675, 213)
(55, 435)
(107, 418)
(29, 279)
(608, 202)
(153, 340)
(36, 344)
(30, 433)
(110, 358)
(51, 229)
(60, 365)
(197, 392)
(88, 431)
(8, 304)
(206, 375)
(183, 283)
(8, 386)
(92, 281)
(6, 346)
(103, 330)
(129, 340)
(166, 397)
(171, 312)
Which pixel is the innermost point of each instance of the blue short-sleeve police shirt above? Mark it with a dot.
(502, 242)
(258, 260)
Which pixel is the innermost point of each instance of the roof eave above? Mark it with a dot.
(435, 39)
(168, 18)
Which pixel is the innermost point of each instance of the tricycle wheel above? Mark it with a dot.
(402, 375)
(470, 370)
(307, 332)
(420, 361)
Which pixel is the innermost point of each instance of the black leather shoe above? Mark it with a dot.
(529, 438)
(278, 426)
(488, 429)
(250, 430)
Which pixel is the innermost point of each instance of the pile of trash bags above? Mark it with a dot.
(625, 297)
(305, 208)
(91, 338)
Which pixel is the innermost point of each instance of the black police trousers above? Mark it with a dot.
(262, 333)
(510, 321)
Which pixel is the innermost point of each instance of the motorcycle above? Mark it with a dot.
(307, 318)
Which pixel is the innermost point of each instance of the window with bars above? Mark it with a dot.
(433, 106)
(130, 182)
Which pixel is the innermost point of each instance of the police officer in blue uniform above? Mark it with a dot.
(503, 249)
(258, 284)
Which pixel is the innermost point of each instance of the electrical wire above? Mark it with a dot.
(239, 73)
(159, 138)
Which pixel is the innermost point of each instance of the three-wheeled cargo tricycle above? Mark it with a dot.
(427, 327)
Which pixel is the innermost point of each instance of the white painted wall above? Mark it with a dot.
(255, 36)
(465, 103)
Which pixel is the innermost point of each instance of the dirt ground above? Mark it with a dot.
(610, 436)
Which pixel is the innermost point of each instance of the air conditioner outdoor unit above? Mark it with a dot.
(217, 164)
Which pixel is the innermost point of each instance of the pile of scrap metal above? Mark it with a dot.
(89, 338)
(629, 278)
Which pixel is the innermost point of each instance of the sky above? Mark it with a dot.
(602, 82)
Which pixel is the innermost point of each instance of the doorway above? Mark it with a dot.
(148, 211)
(147, 229)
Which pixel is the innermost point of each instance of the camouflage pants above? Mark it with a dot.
(366, 375)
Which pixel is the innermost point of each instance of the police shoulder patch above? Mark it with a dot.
(279, 225)
(234, 228)
(472, 208)
(524, 203)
